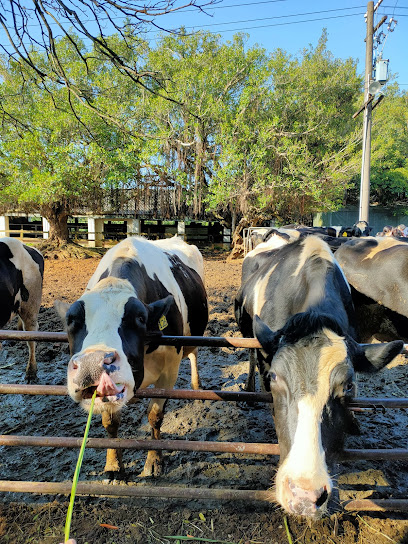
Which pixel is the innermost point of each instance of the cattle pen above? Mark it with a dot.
(94, 488)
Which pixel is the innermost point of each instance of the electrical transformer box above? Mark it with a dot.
(381, 70)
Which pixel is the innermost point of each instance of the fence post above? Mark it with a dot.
(226, 235)
(181, 229)
(46, 228)
(95, 232)
(133, 227)
(4, 225)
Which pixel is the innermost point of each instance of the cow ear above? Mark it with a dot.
(157, 313)
(266, 337)
(61, 308)
(374, 357)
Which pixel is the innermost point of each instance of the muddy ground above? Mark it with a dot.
(40, 519)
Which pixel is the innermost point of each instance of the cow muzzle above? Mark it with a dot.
(303, 499)
(101, 371)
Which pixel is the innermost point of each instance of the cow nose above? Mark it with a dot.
(108, 362)
(305, 502)
(86, 368)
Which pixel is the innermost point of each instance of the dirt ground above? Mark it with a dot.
(28, 518)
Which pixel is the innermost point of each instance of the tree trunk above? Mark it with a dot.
(233, 221)
(57, 216)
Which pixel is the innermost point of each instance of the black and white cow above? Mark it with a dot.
(296, 301)
(21, 279)
(139, 288)
(334, 241)
(377, 270)
(360, 228)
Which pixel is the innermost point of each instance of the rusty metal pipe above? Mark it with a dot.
(377, 505)
(24, 389)
(186, 445)
(215, 341)
(209, 341)
(190, 394)
(192, 493)
(168, 445)
(95, 488)
(41, 336)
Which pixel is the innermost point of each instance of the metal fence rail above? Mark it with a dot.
(178, 492)
(359, 403)
(92, 488)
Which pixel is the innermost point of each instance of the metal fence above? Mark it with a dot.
(94, 488)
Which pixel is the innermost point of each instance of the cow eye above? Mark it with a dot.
(273, 376)
(141, 319)
(349, 386)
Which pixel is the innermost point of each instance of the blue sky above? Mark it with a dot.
(294, 24)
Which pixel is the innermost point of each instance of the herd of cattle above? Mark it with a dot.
(303, 296)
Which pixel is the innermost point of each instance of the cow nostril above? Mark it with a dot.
(322, 499)
(109, 357)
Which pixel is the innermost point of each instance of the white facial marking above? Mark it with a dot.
(306, 461)
(306, 458)
(104, 309)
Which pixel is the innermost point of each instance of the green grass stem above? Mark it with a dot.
(77, 471)
(285, 521)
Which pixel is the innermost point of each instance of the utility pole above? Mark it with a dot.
(365, 166)
(368, 107)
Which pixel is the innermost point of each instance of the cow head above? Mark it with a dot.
(361, 228)
(311, 374)
(107, 328)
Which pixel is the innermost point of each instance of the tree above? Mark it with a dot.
(389, 155)
(32, 29)
(207, 76)
(293, 151)
(52, 161)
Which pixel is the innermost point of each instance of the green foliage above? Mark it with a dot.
(230, 129)
(56, 153)
(293, 151)
(389, 155)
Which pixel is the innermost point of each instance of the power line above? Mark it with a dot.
(292, 22)
(260, 26)
(263, 26)
(266, 18)
(34, 25)
(280, 16)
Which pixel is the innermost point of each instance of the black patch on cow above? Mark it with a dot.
(306, 324)
(264, 367)
(104, 274)
(5, 252)
(151, 289)
(23, 290)
(36, 257)
(76, 326)
(11, 283)
(194, 294)
(362, 246)
(132, 332)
